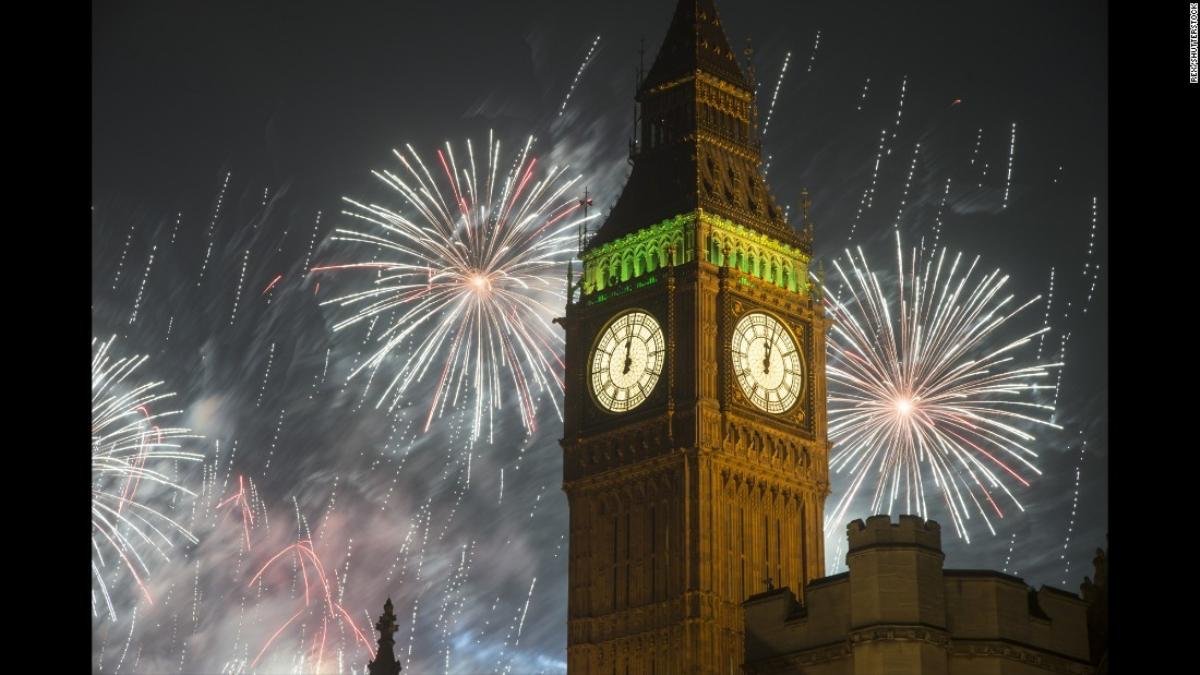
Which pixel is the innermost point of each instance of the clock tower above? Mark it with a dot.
(695, 451)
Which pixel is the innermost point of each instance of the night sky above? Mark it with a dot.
(235, 127)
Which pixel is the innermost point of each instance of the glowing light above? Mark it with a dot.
(816, 45)
(863, 98)
(476, 273)
(578, 75)
(1012, 149)
(129, 444)
(212, 225)
(920, 384)
(775, 95)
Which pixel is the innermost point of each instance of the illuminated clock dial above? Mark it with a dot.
(767, 363)
(627, 361)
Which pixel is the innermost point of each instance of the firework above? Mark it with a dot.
(476, 274)
(925, 392)
(130, 442)
(863, 98)
(1012, 149)
(775, 96)
(813, 59)
(320, 607)
(578, 75)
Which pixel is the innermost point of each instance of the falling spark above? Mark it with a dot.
(578, 76)
(900, 108)
(175, 230)
(937, 220)
(863, 98)
(1012, 147)
(212, 225)
(775, 95)
(312, 242)
(1012, 542)
(124, 252)
(1074, 509)
(237, 296)
(142, 287)
(868, 197)
(1087, 263)
(266, 375)
(978, 143)
(276, 280)
(812, 59)
(1046, 318)
(912, 167)
(917, 385)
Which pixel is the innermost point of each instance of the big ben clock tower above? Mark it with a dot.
(695, 448)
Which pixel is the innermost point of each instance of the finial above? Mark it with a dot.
(385, 662)
(749, 52)
(806, 224)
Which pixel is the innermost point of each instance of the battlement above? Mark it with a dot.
(881, 531)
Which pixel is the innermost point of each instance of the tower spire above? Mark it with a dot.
(697, 147)
(695, 41)
(385, 662)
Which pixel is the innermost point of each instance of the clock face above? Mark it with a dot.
(627, 360)
(767, 363)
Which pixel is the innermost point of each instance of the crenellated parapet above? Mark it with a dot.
(880, 532)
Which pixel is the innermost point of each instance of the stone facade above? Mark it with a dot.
(899, 611)
(689, 502)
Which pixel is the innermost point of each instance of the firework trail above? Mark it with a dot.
(1074, 509)
(212, 225)
(237, 296)
(262, 390)
(129, 443)
(937, 220)
(480, 271)
(868, 196)
(812, 59)
(1012, 543)
(578, 75)
(312, 242)
(1046, 318)
(900, 107)
(1012, 149)
(175, 230)
(922, 382)
(912, 168)
(320, 607)
(775, 95)
(137, 303)
(863, 99)
(124, 252)
(1088, 264)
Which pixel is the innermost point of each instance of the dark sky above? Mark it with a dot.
(300, 100)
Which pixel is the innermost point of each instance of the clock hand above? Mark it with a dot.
(628, 360)
(766, 356)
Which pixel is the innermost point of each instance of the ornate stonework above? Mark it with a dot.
(688, 504)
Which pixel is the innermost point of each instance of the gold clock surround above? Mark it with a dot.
(651, 363)
(796, 375)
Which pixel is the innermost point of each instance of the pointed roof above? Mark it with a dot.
(695, 41)
(699, 146)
